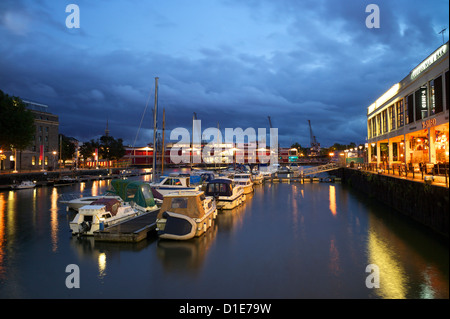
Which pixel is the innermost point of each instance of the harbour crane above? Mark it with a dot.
(270, 122)
(315, 147)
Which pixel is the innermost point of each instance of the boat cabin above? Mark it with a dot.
(220, 187)
(188, 203)
(137, 192)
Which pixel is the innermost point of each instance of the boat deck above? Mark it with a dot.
(133, 230)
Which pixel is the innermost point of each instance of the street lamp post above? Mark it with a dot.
(54, 159)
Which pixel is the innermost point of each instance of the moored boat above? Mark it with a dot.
(185, 214)
(226, 192)
(175, 182)
(245, 180)
(65, 180)
(257, 177)
(101, 213)
(24, 185)
(127, 191)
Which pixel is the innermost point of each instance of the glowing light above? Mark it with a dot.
(332, 196)
(436, 55)
(384, 98)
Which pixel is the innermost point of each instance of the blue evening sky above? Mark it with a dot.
(233, 62)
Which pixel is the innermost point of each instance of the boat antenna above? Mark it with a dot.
(443, 33)
(154, 130)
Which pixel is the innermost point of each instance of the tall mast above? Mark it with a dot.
(162, 152)
(154, 131)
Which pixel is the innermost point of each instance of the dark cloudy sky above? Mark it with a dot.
(235, 62)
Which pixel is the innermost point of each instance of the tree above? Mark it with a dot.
(300, 149)
(110, 148)
(67, 148)
(88, 149)
(16, 123)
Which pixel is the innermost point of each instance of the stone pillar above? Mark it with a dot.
(391, 152)
(431, 147)
(378, 154)
(407, 154)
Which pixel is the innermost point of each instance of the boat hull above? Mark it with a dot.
(181, 227)
(167, 190)
(88, 224)
(227, 203)
(248, 189)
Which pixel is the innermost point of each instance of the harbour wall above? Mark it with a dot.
(41, 178)
(427, 204)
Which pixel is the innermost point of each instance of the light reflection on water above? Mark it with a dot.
(286, 241)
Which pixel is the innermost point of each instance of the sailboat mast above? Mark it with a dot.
(154, 131)
(162, 152)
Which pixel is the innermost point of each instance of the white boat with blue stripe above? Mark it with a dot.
(177, 182)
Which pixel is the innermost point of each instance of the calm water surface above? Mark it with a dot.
(287, 241)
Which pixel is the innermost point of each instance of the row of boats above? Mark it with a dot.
(186, 204)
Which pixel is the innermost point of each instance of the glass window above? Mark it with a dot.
(438, 95)
(33, 160)
(447, 89)
(420, 100)
(432, 98)
(391, 118)
(179, 202)
(409, 109)
(379, 124)
(399, 106)
(374, 127)
(384, 121)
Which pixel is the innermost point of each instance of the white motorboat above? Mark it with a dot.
(127, 191)
(185, 214)
(245, 180)
(65, 180)
(257, 177)
(226, 192)
(101, 213)
(175, 182)
(24, 185)
(75, 202)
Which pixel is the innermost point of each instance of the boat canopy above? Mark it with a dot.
(219, 187)
(111, 204)
(134, 191)
(179, 202)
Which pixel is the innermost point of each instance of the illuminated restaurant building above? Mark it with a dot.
(408, 125)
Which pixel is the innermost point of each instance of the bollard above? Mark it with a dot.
(446, 180)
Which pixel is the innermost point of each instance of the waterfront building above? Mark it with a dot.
(42, 154)
(408, 125)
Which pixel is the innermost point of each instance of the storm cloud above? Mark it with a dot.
(232, 62)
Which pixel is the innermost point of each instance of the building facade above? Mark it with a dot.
(43, 152)
(408, 125)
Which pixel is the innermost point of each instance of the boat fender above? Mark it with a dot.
(165, 215)
(85, 226)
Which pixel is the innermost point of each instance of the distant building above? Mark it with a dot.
(408, 125)
(43, 151)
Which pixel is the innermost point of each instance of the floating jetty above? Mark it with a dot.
(132, 230)
(303, 180)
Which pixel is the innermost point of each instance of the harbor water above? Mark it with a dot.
(288, 241)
